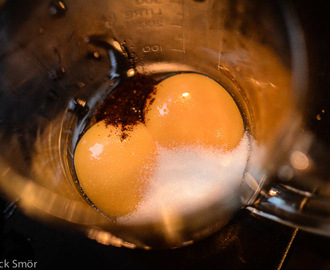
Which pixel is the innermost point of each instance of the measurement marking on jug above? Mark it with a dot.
(151, 24)
(182, 13)
(220, 52)
(177, 50)
(178, 25)
(142, 13)
(152, 48)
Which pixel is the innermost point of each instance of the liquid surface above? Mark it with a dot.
(189, 147)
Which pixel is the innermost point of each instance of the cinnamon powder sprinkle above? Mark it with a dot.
(125, 105)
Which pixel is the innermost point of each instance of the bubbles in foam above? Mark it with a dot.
(188, 177)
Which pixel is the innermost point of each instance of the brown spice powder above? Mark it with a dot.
(125, 105)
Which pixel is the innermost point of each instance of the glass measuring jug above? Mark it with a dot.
(67, 58)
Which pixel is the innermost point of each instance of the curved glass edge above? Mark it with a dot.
(295, 208)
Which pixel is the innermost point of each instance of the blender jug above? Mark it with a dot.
(61, 60)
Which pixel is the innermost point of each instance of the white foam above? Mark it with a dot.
(188, 177)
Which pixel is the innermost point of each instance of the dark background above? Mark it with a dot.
(248, 242)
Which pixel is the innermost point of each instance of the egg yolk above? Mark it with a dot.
(194, 109)
(186, 109)
(113, 171)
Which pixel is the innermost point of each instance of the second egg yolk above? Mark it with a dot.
(194, 109)
(112, 171)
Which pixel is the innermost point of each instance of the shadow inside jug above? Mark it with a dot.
(54, 82)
